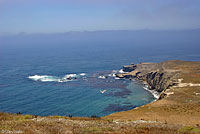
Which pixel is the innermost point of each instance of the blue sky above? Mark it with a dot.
(55, 16)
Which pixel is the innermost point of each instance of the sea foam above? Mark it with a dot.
(101, 77)
(121, 71)
(48, 78)
(82, 74)
(154, 93)
(43, 78)
(70, 75)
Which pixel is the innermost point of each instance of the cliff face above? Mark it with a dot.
(159, 81)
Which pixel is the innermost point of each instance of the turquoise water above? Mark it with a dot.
(34, 79)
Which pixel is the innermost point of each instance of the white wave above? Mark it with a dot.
(117, 78)
(121, 71)
(43, 78)
(63, 80)
(110, 75)
(46, 78)
(49, 79)
(101, 77)
(154, 93)
(37, 77)
(82, 74)
(113, 74)
(70, 75)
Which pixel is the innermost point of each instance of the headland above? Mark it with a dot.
(178, 85)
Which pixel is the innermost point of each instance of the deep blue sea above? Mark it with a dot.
(35, 76)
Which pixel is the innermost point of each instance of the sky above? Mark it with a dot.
(57, 16)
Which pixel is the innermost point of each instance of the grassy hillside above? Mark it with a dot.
(29, 124)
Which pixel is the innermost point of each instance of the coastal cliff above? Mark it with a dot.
(154, 75)
(177, 82)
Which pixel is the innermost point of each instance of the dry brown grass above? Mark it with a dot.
(27, 124)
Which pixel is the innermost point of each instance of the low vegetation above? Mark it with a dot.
(28, 124)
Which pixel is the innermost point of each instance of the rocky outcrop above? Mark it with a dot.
(153, 74)
(131, 74)
(129, 68)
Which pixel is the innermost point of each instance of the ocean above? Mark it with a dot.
(76, 76)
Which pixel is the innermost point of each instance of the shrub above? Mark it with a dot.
(188, 129)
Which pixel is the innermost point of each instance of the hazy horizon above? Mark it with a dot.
(95, 31)
(50, 16)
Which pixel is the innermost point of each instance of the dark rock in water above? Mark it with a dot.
(129, 68)
(70, 78)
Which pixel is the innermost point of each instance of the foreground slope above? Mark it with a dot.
(28, 124)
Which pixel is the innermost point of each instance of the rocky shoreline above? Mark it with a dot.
(153, 75)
